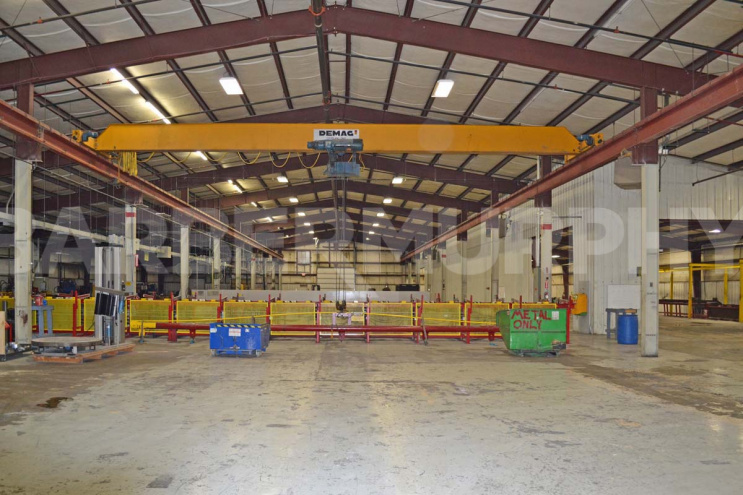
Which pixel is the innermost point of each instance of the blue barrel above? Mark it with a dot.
(627, 329)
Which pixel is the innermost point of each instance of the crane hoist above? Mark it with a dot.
(122, 139)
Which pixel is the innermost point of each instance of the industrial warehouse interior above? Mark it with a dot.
(371, 247)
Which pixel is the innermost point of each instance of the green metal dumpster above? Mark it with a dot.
(533, 331)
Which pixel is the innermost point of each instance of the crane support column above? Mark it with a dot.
(216, 263)
(650, 236)
(252, 271)
(185, 260)
(238, 267)
(130, 249)
(543, 202)
(26, 153)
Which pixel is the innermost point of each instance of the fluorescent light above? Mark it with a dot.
(371, 232)
(157, 112)
(203, 157)
(380, 214)
(307, 224)
(231, 85)
(715, 231)
(442, 88)
(387, 201)
(230, 181)
(301, 213)
(287, 235)
(375, 225)
(282, 178)
(269, 219)
(367, 238)
(293, 200)
(398, 180)
(124, 81)
(254, 204)
(555, 256)
(311, 231)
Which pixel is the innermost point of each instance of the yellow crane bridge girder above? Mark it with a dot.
(377, 138)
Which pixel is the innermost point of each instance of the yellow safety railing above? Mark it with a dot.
(485, 313)
(146, 310)
(293, 313)
(440, 314)
(196, 311)
(356, 310)
(391, 314)
(62, 315)
(245, 312)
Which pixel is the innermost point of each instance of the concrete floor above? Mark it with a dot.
(390, 417)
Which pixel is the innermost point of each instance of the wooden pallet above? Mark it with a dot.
(80, 357)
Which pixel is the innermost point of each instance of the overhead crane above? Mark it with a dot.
(377, 138)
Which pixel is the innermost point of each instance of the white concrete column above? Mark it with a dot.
(463, 260)
(216, 263)
(650, 254)
(185, 260)
(280, 269)
(545, 253)
(23, 262)
(238, 266)
(130, 249)
(252, 271)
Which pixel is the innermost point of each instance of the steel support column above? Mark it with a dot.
(238, 267)
(650, 235)
(185, 270)
(23, 263)
(130, 249)
(544, 204)
(23, 229)
(253, 266)
(216, 263)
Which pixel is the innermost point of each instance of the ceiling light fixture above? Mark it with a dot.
(380, 214)
(230, 181)
(715, 231)
(269, 219)
(282, 178)
(203, 157)
(367, 238)
(555, 256)
(254, 204)
(387, 201)
(307, 224)
(157, 112)
(443, 88)
(124, 81)
(293, 200)
(371, 232)
(398, 180)
(231, 85)
(375, 225)
(301, 213)
(311, 231)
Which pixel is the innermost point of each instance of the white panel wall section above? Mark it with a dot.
(605, 223)
(720, 198)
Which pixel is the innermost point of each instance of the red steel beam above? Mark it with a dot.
(24, 125)
(350, 21)
(705, 100)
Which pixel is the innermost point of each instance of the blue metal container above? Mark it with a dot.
(627, 332)
(237, 339)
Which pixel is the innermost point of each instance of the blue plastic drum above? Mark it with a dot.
(627, 329)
